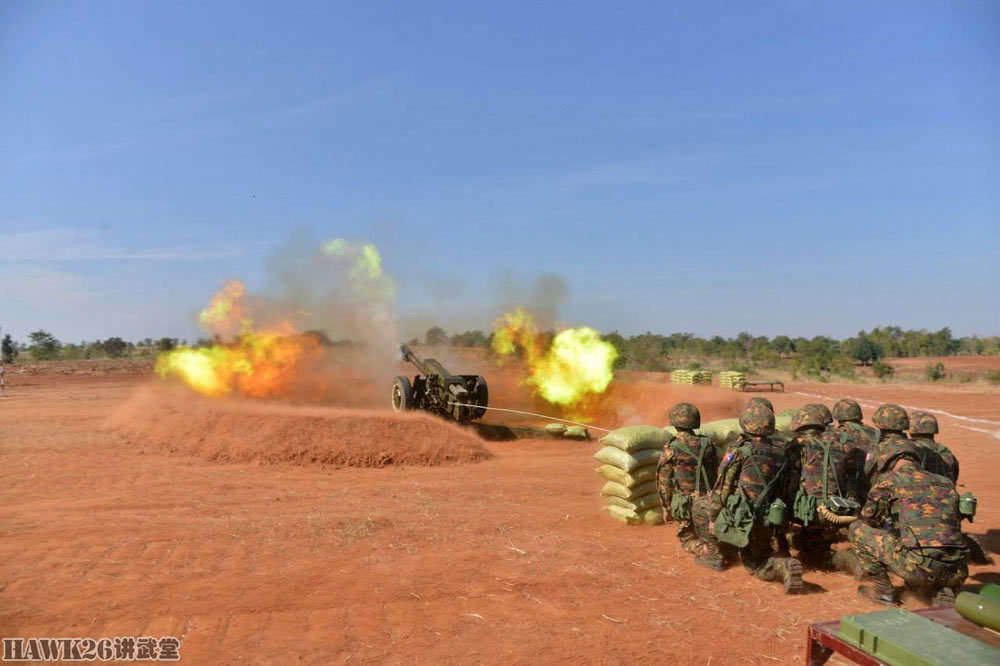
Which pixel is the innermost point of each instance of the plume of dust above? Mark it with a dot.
(340, 286)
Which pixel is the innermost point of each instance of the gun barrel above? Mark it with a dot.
(428, 366)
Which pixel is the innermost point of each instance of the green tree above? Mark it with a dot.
(8, 350)
(44, 345)
(863, 349)
(115, 347)
(166, 344)
(435, 336)
(782, 344)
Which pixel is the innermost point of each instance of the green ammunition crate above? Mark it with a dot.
(901, 638)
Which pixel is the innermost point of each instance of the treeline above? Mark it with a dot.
(44, 346)
(811, 356)
(646, 351)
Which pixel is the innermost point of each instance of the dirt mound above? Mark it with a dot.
(176, 420)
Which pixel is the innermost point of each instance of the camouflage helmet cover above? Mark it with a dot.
(922, 423)
(685, 415)
(810, 415)
(757, 420)
(757, 400)
(891, 417)
(847, 410)
(825, 411)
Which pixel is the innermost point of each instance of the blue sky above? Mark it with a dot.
(777, 167)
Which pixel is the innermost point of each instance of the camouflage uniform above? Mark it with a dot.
(678, 472)
(910, 526)
(825, 464)
(848, 414)
(748, 468)
(936, 457)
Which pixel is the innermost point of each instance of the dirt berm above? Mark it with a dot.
(173, 419)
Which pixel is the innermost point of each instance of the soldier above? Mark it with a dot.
(739, 511)
(686, 470)
(822, 484)
(910, 526)
(937, 458)
(848, 414)
(892, 422)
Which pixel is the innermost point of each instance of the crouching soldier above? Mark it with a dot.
(740, 513)
(936, 457)
(686, 470)
(910, 524)
(825, 498)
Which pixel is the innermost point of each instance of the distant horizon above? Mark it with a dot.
(488, 331)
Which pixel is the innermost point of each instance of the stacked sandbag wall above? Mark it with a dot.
(732, 379)
(629, 457)
(691, 377)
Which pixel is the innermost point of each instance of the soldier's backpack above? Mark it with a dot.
(737, 518)
(680, 503)
(804, 506)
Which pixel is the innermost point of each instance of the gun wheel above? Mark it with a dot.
(402, 395)
(482, 397)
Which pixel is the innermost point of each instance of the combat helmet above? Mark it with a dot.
(685, 415)
(922, 423)
(810, 415)
(891, 417)
(847, 410)
(757, 400)
(757, 420)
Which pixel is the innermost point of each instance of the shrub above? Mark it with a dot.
(993, 377)
(44, 346)
(883, 370)
(843, 366)
(934, 371)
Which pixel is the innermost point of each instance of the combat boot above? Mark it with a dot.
(845, 561)
(791, 575)
(710, 562)
(944, 597)
(880, 592)
(977, 554)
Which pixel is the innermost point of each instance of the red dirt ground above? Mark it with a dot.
(508, 560)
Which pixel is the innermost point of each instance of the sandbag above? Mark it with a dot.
(627, 479)
(555, 429)
(610, 455)
(638, 504)
(576, 432)
(648, 517)
(783, 423)
(612, 489)
(636, 438)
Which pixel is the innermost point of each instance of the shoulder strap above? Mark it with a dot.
(699, 472)
(770, 484)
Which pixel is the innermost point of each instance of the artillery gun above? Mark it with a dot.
(461, 398)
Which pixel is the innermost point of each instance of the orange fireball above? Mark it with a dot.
(254, 363)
